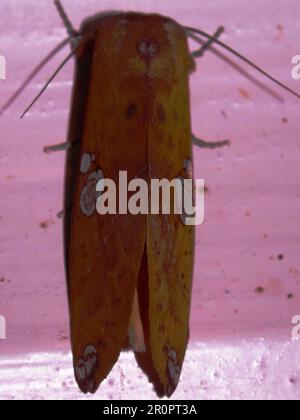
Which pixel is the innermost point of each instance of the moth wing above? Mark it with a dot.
(165, 280)
(104, 252)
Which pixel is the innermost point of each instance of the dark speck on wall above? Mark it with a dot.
(63, 338)
(280, 257)
(259, 290)
(290, 296)
(244, 93)
(45, 225)
(280, 31)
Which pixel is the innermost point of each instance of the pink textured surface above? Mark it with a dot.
(252, 204)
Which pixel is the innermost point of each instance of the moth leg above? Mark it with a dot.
(207, 44)
(73, 34)
(66, 21)
(60, 214)
(209, 144)
(57, 147)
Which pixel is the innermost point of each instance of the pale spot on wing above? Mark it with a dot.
(174, 367)
(85, 368)
(85, 163)
(88, 194)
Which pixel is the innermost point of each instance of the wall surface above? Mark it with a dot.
(247, 273)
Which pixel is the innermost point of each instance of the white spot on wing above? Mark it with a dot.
(85, 163)
(90, 358)
(174, 367)
(88, 194)
(85, 368)
(80, 370)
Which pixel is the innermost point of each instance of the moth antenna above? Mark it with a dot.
(26, 82)
(246, 60)
(51, 79)
(66, 21)
(238, 68)
(206, 45)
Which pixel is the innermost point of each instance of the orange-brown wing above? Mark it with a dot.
(168, 266)
(105, 252)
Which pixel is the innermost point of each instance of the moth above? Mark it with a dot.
(129, 277)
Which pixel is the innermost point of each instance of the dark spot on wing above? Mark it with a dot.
(161, 115)
(131, 110)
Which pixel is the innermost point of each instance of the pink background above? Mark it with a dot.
(240, 339)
